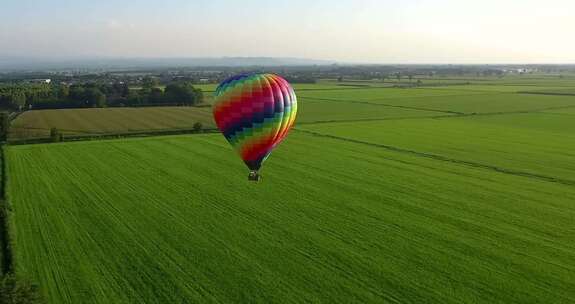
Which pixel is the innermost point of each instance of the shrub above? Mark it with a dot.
(55, 135)
(15, 291)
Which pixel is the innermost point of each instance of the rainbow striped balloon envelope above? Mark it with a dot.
(255, 113)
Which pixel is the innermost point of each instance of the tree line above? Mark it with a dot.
(89, 95)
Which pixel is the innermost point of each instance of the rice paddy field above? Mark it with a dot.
(456, 194)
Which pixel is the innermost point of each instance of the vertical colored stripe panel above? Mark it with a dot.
(255, 113)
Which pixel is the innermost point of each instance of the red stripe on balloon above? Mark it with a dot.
(258, 148)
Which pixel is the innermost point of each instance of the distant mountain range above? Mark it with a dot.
(22, 63)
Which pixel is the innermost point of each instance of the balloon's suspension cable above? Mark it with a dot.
(254, 176)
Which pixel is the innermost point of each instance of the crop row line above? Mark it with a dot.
(447, 159)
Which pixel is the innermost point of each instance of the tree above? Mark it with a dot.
(78, 94)
(55, 135)
(183, 93)
(19, 100)
(145, 94)
(95, 97)
(156, 96)
(198, 126)
(134, 98)
(4, 125)
(398, 76)
(149, 82)
(125, 90)
(100, 100)
(63, 92)
(410, 77)
(199, 96)
(16, 291)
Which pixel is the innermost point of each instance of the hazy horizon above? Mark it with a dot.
(414, 32)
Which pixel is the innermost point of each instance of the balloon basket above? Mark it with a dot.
(254, 176)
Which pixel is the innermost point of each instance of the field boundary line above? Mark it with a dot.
(5, 240)
(554, 113)
(385, 105)
(376, 119)
(546, 93)
(475, 93)
(111, 136)
(343, 87)
(535, 111)
(446, 159)
(349, 87)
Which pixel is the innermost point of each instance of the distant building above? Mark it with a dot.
(46, 81)
(520, 70)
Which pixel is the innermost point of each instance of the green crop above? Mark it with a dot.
(173, 219)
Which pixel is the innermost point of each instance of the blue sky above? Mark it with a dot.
(411, 31)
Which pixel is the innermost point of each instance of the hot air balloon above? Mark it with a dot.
(255, 113)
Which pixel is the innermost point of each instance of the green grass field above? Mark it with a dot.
(327, 102)
(447, 100)
(539, 144)
(537, 79)
(555, 91)
(370, 94)
(457, 194)
(501, 88)
(314, 111)
(566, 111)
(173, 220)
(37, 123)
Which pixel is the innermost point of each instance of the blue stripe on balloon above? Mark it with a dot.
(247, 122)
